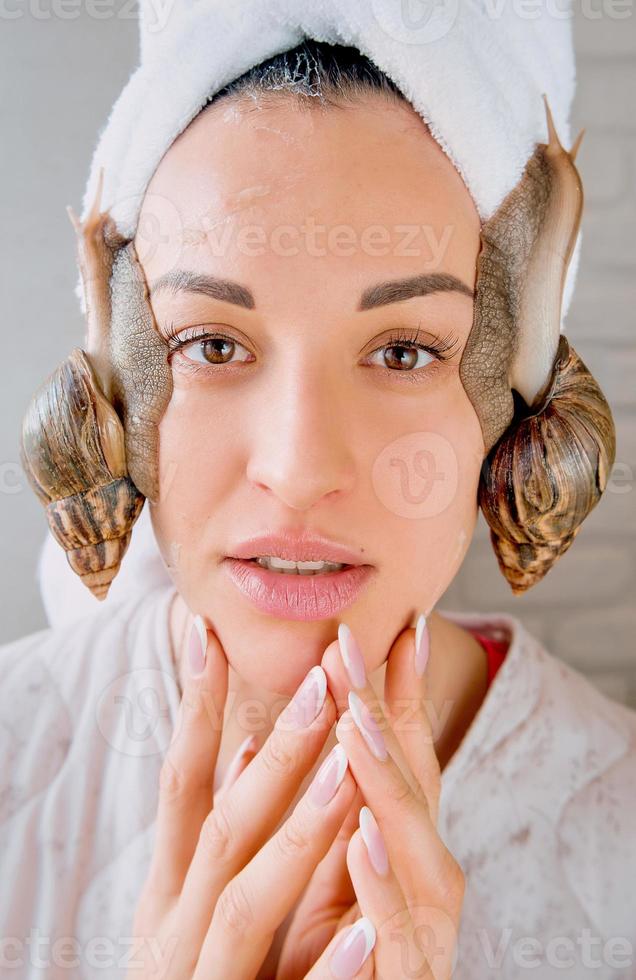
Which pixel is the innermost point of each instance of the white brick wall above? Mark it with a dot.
(585, 609)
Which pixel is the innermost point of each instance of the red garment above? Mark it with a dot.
(496, 651)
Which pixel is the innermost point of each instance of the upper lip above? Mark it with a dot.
(296, 546)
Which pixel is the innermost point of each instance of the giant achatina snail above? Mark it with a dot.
(90, 435)
(530, 389)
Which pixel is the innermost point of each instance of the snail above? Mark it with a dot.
(89, 442)
(545, 476)
(547, 427)
(73, 453)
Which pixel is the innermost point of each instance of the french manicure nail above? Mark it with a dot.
(367, 726)
(329, 776)
(306, 703)
(353, 949)
(247, 745)
(197, 646)
(422, 645)
(351, 656)
(373, 839)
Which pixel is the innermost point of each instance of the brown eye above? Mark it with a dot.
(208, 350)
(400, 357)
(217, 351)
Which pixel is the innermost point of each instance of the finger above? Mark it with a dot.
(328, 896)
(187, 773)
(402, 812)
(258, 899)
(343, 662)
(380, 897)
(408, 707)
(349, 956)
(249, 812)
(377, 889)
(417, 940)
(241, 759)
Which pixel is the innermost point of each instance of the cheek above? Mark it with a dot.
(197, 466)
(426, 482)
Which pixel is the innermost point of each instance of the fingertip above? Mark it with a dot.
(215, 655)
(197, 647)
(422, 645)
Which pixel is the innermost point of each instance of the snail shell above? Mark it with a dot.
(73, 453)
(547, 472)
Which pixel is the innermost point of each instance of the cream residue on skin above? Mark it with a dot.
(174, 555)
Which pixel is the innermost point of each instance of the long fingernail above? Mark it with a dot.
(248, 744)
(353, 949)
(422, 645)
(197, 646)
(373, 839)
(351, 656)
(329, 776)
(306, 703)
(367, 726)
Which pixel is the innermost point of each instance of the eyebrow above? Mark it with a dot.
(183, 280)
(383, 293)
(395, 290)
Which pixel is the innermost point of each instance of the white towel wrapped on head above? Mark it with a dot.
(475, 70)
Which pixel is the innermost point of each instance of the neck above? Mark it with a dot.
(456, 678)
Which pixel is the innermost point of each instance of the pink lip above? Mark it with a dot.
(295, 546)
(303, 597)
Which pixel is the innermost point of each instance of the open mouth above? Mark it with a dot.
(285, 567)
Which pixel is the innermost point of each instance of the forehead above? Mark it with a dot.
(276, 173)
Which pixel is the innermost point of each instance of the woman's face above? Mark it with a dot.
(309, 409)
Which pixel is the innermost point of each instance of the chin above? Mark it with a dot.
(270, 653)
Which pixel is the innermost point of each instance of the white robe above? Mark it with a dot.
(538, 803)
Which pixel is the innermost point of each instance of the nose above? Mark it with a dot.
(300, 451)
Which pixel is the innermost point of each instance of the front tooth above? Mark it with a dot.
(281, 563)
(286, 567)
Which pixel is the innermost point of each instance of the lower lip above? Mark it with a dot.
(303, 597)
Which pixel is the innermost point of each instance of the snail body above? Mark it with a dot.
(73, 453)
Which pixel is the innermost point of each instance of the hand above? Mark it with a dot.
(413, 893)
(222, 878)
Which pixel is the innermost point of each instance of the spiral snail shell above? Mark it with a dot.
(545, 476)
(73, 454)
(90, 441)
